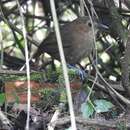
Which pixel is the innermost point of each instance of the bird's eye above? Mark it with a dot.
(89, 24)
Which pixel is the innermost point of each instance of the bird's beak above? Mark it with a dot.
(102, 27)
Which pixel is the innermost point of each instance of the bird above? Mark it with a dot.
(77, 37)
(78, 42)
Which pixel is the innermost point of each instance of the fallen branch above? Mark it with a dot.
(93, 122)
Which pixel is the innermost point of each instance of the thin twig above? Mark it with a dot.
(64, 67)
(2, 50)
(19, 31)
(27, 66)
(94, 40)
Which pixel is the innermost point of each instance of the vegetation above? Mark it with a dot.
(103, 93)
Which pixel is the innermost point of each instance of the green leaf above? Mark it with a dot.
(121, 125)
(87, 109)
(2, 99)
(102, 105)
(16, 97)
(63, 95)
(69, 128)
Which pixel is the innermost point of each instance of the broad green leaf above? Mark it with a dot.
(87, 110)
(2, 99)
(102, 105)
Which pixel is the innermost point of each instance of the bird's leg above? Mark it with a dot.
(79, 71)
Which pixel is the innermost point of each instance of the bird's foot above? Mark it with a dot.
(80, 72)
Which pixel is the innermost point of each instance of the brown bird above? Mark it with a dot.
(77, 38)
